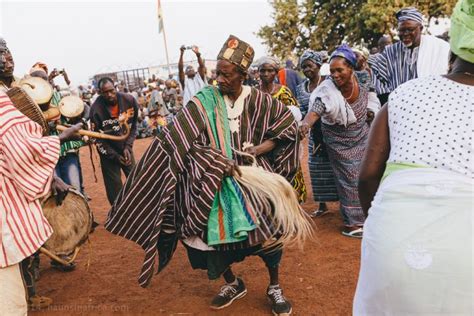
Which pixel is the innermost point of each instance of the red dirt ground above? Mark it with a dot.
(320, 280)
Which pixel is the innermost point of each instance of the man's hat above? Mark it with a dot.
(237, 52)
(410, 13)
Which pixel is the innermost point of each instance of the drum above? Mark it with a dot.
(71, 106)
(26, 105)
(71, 222)
(39, 90)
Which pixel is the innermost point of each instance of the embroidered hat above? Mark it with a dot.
(237, 52)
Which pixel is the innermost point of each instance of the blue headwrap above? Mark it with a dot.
(345, 52)
(409, 13)
(315, 57)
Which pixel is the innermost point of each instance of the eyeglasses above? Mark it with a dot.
(407, 30)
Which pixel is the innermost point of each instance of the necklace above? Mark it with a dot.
(317, 84)
(352, 91)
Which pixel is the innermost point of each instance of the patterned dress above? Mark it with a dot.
(345, 147)
(320, 170)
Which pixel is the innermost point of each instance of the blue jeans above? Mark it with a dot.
(69, 170)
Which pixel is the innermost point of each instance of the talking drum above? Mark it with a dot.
(39, 90)
(71, 222)
(26, 105)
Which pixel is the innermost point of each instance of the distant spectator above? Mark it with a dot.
(288, 77)
(189, 81)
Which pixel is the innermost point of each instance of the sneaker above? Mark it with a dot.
(228, 294)
(280, 305)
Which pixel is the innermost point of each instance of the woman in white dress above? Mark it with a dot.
(417, 180)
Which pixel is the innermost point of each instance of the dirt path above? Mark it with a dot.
(320, 280)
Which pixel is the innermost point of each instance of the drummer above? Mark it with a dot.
(68, 167)
(7, 80)
(23, 147)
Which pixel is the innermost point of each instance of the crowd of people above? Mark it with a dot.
(389, 138)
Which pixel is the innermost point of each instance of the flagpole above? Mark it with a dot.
(166, 50)
(161, 25)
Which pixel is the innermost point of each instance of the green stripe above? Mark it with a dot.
(396, 166)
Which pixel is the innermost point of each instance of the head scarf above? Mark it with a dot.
(3, 45)
(363, 51)
(315, 57)
(410, 13)
(268, 60)
(345, 52)
(462, 30)
(237, 52)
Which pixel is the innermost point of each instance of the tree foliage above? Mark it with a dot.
(324, 24)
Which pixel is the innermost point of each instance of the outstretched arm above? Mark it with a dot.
(202, 67)
(181, 66)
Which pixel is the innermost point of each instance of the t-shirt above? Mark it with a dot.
(114, 111)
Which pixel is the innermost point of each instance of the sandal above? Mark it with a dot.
(354, 233)
(39, 302)
(319, 213)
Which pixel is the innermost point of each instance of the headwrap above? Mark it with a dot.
(3, 49)
(324, 55)
(3, 45)
(410, 13)
(39, 66)
(237, 52)
(363, 51)
(268, 60)
(345, 52)
(462, 30)
(315, 57)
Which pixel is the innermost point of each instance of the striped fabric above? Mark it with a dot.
(173, 186)
(395, 65)
(380, 87)
(27, 162)
(71, 146)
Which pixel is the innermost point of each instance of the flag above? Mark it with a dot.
(160, 18)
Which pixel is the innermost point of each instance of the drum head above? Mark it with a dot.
(38, 89)
(71, 222)
(71, 106)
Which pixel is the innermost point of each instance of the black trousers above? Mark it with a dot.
(113, 177)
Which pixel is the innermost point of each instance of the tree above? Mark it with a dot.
(324, 24)
(282, 36)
